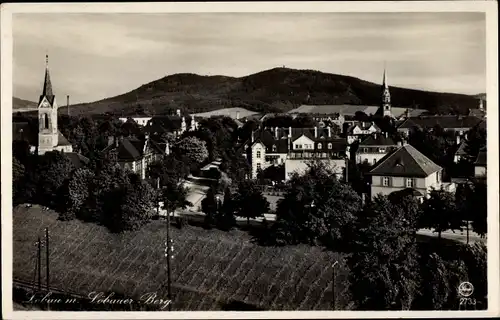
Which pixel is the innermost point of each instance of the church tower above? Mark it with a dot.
(386, 98)
(47, 115)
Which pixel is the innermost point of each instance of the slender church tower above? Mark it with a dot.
(47, 115)
(386, 98)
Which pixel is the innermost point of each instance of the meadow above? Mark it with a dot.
(211, 269)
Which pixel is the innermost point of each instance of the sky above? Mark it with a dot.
(96, 56)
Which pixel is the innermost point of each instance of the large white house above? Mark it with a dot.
(294, 148)
(360, 130)
(374, 148)
(405, 168)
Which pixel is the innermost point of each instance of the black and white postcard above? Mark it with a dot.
(316, 159)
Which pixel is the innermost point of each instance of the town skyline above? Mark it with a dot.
(352, 44)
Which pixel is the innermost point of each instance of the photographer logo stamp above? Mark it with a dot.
(465, 289)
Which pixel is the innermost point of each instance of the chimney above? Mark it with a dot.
(178, 112)
(329, 132)
(315, 132)
(117, 141)
(290, 132)
(67, 104)
(276, 133)
(375, 136)
(387, 134)
(481, 104)
(237, 115)
(253, 137)
(458, 139)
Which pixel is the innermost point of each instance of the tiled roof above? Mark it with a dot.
(61, 140)
(377, 140)
(446, 122)
(481, 158)
(405, 161)
(77, 159)
(169, 123)
(362, 126)
(131, 148)
(461, 148)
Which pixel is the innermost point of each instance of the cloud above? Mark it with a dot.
(94, 56)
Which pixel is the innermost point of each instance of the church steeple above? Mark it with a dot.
(386, 96)
(47, 85)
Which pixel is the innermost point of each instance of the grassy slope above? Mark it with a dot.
(275, 90)
(210, 268)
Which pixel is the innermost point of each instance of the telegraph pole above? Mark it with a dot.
(47, 256)
(333, 285)
(168, 254)
(39, 258)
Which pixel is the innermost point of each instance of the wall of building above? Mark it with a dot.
(372, 158)
(255, 160)
(422, 185)
(479, 171)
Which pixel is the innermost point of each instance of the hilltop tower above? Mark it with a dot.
(47, 115)
(386, 97)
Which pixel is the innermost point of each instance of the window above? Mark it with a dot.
(258, 166)
(366, 160)
(329, 146)
(258, 154)
(409, 183)
(381, 150)
(374, 161)
(319, 146)
(438, 176)
(365, 150)
(46, 121)
(274, 148)
(385, 181)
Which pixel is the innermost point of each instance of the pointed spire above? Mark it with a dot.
(384, 80)
(47, 85)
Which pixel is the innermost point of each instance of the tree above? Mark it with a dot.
(383, 265)
(193, 149)
(53, 171)
(249, 202)
(174, 197)
(209, 206)
(317, 208)
(439, 212)
(136, 209)
(17, 178)
(78, 193)
(477, 207)
(225, 219)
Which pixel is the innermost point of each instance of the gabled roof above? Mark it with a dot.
(481, 158)
(169, 123)
(47, 85)
(461, 148)
(76, 159)
(61, 140)
(362, 126)
(132, 148)
(377, 140)
(405, 161)
(446, 122)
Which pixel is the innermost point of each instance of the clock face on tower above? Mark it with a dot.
(45, 104)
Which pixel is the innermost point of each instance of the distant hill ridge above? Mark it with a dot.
(274, 90)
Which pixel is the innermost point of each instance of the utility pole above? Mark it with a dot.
(39, 258)
(168, 251)
(47, 257)
(333, 285)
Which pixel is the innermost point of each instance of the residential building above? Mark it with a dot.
(294, 148)
(360, 130)
(456, 123)
(138, 118)
(176, 124)
(405, 168)
(480, 112)
(461, 152)
(480, 165)
(136, 154)
(374, 148)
